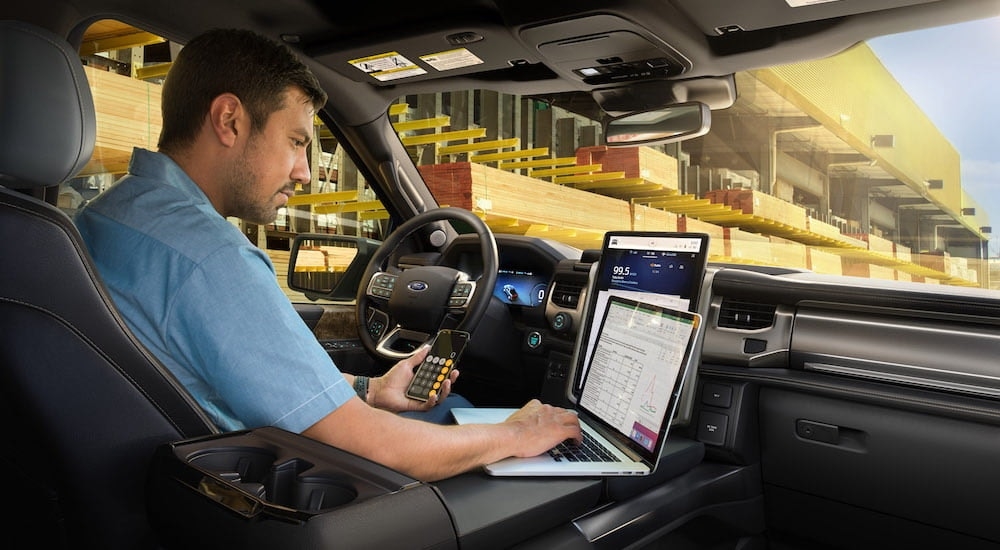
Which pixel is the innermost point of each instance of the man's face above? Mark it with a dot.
(273, 161)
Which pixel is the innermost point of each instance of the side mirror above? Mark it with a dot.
(665, 125)
(329, 266)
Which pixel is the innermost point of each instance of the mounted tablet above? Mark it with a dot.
(664, 268)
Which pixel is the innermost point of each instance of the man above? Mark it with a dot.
(237, 121)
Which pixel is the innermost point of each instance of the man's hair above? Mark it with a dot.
(256, 69)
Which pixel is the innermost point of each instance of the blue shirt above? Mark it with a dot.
(206, 301)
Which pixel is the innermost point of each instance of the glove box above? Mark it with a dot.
(268, 488)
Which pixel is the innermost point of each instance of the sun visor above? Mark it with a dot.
(438, 52)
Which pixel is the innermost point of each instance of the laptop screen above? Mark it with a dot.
(636, 371)
(665, 268)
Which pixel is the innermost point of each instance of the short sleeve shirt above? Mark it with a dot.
(206, 302)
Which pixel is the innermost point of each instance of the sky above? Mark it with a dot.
(934, 67)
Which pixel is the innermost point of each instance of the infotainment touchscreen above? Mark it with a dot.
(663, 268)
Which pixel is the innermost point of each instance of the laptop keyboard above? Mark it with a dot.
(588, 450)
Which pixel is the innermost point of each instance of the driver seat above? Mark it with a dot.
(83, 403)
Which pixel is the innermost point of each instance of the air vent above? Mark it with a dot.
(566, 294)
(745, 315)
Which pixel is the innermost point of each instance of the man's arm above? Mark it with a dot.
(388, 392)
(429, 452)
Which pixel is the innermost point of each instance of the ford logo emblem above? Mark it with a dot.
(417, 286)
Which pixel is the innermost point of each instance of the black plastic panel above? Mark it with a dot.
(269, 488)
(920, 468)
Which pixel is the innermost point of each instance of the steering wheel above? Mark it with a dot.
(398, 310)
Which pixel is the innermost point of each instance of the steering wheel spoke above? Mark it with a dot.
(381, 285)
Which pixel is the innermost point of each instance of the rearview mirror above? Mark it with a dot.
(666, 125)
(329, 266)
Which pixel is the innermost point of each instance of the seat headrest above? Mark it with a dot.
(47, 121)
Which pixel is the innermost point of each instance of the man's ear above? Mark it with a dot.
(227, 118)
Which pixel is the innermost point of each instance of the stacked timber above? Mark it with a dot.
(788, 253)
(875, 243)
(744, 246)
(490, 190)
(761, 205)
(716, 235)
(635, 162)
(128, 115)
(645, 218)
(824, 262)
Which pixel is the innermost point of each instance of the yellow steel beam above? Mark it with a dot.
(518, 154)
(443, 137)
(550, 162)
(565, 170)
(478, 146)
(398, 108)
(152, 71)
(318, 198)
(360, 206)
(119, 42)
(421, 123)
(587, 178)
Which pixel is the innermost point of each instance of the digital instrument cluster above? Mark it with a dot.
(520, 287)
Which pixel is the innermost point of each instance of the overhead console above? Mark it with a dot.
(604, 49)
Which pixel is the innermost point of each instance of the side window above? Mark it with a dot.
(126, 67)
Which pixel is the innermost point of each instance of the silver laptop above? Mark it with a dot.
(629, 395)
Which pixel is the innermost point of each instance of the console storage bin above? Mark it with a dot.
(268, 488)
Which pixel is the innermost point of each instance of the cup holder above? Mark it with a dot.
(259, 473)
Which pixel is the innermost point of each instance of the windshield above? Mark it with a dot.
(871, 163)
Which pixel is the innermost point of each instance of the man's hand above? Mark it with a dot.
(541, 427)
(388, 391)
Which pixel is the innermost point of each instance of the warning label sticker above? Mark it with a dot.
(451, 59)
(387, 66)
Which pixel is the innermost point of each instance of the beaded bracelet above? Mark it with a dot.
(361, 387)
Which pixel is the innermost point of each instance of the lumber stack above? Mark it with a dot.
(744, 246)
(824, 262)
(875, 243)
(128, 115)
(478, 187)
(645, 218)
(716, 236)
(761, 205)
(634, 162)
